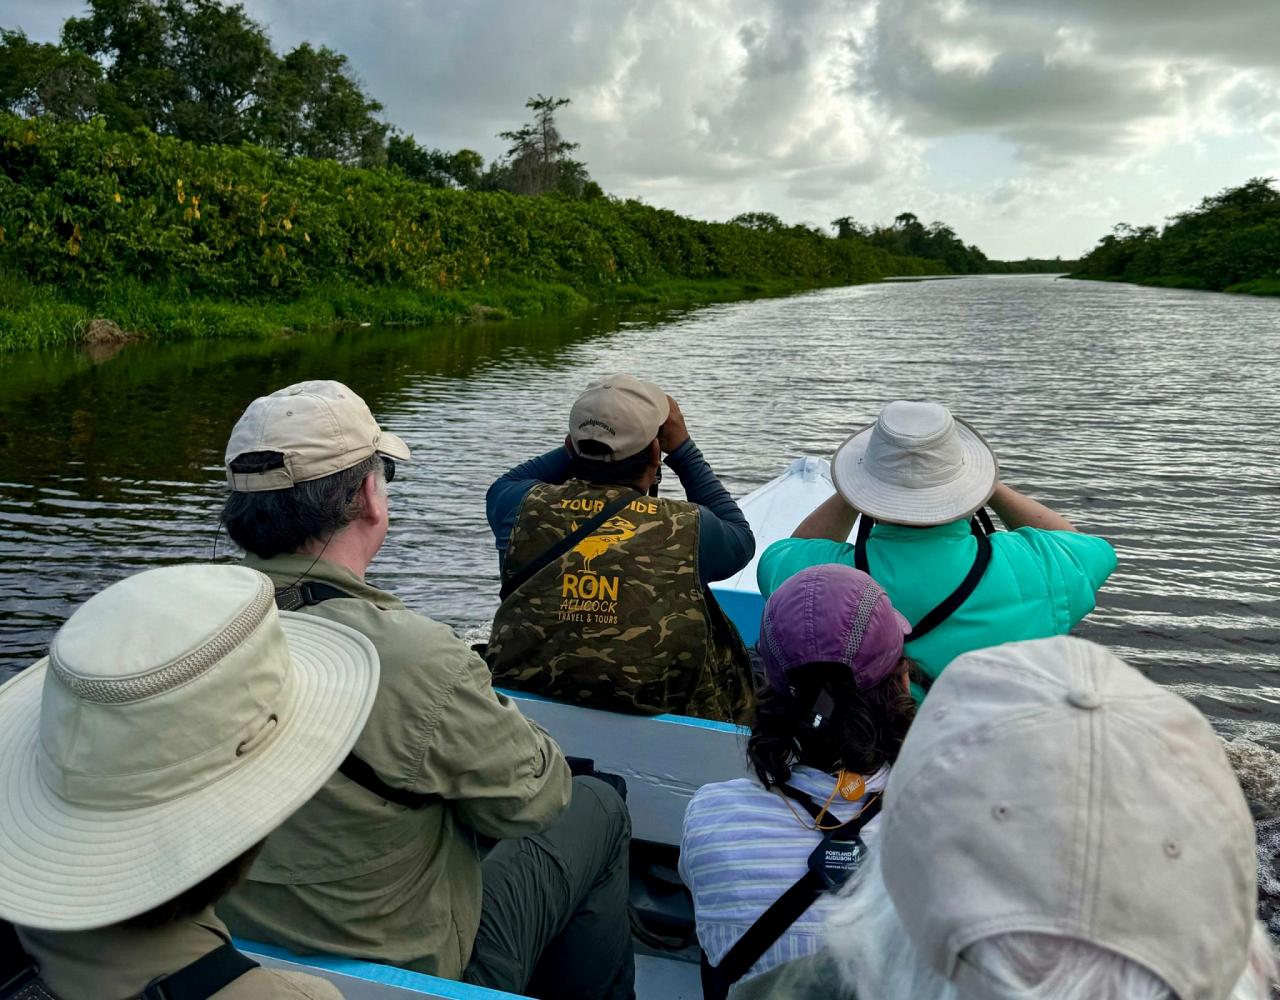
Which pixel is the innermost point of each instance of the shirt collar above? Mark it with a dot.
(901, 532)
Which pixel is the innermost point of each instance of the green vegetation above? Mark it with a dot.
(1230, 242)
(173, 239)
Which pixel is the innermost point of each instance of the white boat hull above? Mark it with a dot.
(773, 511)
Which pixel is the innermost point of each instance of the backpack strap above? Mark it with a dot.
(514, 580)
(981, 527)
(202, 978)
(781, 914)
(308, 593)
(19, 972)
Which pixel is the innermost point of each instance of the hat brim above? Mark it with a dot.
(67, 867)
(393, 446)
(921, 508)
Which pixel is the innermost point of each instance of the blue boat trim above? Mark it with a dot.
(375, 973)
(676, 720)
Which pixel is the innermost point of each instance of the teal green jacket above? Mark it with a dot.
(1038, 584)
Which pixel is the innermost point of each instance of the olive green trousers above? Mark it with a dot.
(553, 917)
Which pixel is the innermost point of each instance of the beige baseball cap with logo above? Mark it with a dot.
(317, 428)
(1048, 787)
(621, 412)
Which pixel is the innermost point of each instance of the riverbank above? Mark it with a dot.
(176, 240)
(38, 317)
(1230, 242)
(1258, 286)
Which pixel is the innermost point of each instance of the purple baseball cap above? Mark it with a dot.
(831, 614)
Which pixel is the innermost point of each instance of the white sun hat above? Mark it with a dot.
(916, 465)
(177, 720)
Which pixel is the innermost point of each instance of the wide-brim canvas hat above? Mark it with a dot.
(177, 720)
(305, 431)
(916, 465)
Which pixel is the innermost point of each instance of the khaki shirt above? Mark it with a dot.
(353, 874)
(118, 962)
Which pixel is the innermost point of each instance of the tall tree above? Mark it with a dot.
(538, 155)
(312, 105)
(201, 70)
(37, 78)
(434, 166)
(764, 221)
(847, 228)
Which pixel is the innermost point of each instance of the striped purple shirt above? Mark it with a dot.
(743, 847)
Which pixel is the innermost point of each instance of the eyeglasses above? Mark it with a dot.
(388, 474)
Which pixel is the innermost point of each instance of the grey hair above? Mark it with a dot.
(276, 522)
(876, 958)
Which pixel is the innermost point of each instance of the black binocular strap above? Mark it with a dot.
(202, 978)
(981, 527)
(513, 581)
(307, 593)
(781, 914)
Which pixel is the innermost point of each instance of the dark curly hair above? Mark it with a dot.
(863, 732)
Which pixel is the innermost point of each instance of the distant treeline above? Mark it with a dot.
(1230, 242)
(908, 236)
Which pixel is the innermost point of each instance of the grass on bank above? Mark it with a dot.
(39, 316)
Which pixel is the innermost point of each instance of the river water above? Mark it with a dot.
(1147, 415)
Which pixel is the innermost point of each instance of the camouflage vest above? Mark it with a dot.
(620, 621)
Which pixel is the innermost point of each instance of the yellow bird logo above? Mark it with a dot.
(613, 532)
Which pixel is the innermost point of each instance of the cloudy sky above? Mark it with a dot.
(1031, 126)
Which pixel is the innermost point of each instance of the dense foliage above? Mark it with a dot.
(82, 207)
(1230, 239)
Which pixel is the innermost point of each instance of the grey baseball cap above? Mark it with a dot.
(1047, 787)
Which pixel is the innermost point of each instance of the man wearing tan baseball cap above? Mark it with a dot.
(604, 584)
(383, 862)
(1056, 827)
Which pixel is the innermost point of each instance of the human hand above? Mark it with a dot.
(673, 433)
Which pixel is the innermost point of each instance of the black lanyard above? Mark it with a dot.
(981, 527)
(832, 861)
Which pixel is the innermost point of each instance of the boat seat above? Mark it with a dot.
(664, 758)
